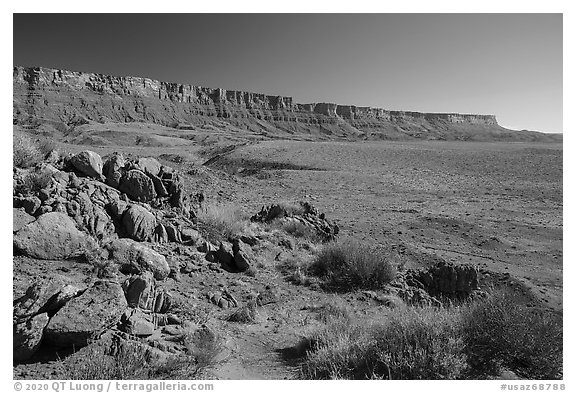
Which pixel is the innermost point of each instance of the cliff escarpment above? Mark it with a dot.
(67, 97)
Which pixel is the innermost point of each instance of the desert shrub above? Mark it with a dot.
(33, 181)
(350, 264)
(500, 331)
(130, 361)
(26, 152)
(203, 346)
(333, 310)
(46, 146)
(221, 222)
(410, 344)
(300, 230)
(245, 314)
(295, 270)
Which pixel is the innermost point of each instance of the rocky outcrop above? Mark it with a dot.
(52, 236)
(86, 316)
(135, 258)
(304, 215)
(44, 94)
(88, 163)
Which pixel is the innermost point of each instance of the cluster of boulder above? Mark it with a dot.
(138, 199)
(71, 315)
(105, 210)
(305, 214)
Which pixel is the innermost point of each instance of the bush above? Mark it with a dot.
(500, 331)
(34, 181)
(246, 314)
(221, 222)
(300, 230)
(410, 344)
(26, 152)
(350, 264)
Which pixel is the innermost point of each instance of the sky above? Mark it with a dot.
(509, 65)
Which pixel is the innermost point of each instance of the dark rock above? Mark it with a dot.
(30, 204)
(135, 322)
(160, 234)
(225, 255)
(27, 336)
(158, 185)
(137, 185)
(135, 258)
(52, 236)
(243, 257)
(88, 163)
(86, 316)
(139, 223)
(112, 169)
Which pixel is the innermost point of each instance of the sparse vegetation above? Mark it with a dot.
(245, 314)
(221, 222)
(300, 230)
(415, 344)
(33, 181)
(500, 332)
(470, 341)
(350, 264)
(26, 152)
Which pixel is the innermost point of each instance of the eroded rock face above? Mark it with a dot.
(243, 256)
(149, 165)
(135, 258)
(139, 223)
(111, 169)
(448, 279)
(20, 219)
(137, 185)
(88, 163)
(27, 336)
(52, 236)
(86, 316)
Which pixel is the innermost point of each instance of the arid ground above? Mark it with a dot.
(495, 205)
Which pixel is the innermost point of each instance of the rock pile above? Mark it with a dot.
(305, 214)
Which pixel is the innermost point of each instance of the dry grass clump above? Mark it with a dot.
(135, 360)
(500, 332)
(221, 222)
(131, 361)
(26, 152)
(245, 314)
(413, 344)
(350, 264)
(300, 230)
(470, 341)
(295, 270)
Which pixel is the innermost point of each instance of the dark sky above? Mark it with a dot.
(509, 65)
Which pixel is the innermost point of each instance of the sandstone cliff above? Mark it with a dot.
(68, 97)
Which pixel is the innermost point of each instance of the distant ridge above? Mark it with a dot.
(69, 97)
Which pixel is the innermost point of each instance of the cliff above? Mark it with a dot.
(68, 97)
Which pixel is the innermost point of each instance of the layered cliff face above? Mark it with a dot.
(43, 94)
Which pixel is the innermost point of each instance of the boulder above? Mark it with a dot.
(88, 163)
(158, 185)
(135, 322)
(27, 336)
(111, 169)
(20, 219)
(160, 234)
(224, 255)
(30, 204)
(52, 236)
(149, 165)
(137, 185)
(140, 290)
(133, 257)
(86, 316)
(243, 257)
(139, 223)
(190, 235)
(45, 296)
